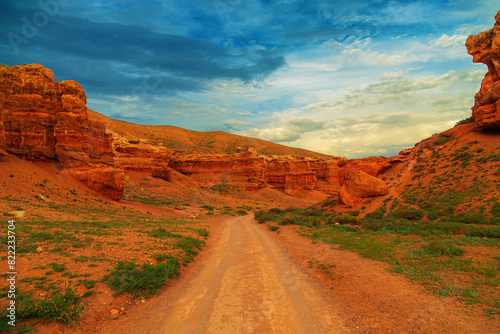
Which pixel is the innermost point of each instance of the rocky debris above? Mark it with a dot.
(17, 214)
(485, 48)
(47, 120)
(114, 313)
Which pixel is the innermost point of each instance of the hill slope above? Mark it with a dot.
(190, 141)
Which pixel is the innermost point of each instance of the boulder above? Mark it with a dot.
(361, 184)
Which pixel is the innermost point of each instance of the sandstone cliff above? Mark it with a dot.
(44, 119)
(485, 48)
(47, 120)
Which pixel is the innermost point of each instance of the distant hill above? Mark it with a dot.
(199, 142)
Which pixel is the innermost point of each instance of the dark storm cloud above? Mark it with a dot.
(116, 57)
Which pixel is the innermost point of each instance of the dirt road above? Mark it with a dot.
(246, 284)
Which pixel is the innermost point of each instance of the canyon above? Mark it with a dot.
(46, 120)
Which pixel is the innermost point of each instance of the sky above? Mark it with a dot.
(345, 78)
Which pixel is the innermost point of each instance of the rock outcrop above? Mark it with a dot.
(485, 48)
(3, 146)
(47, 120)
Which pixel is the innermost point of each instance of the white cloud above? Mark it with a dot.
(235, 122)
(454, 45)
(381, 118)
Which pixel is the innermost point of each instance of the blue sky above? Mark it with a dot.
(348, 78)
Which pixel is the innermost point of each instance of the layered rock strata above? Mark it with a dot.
(485, 48)
(44, 119)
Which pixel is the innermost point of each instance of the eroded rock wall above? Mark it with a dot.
(485, 48)
(47, 120)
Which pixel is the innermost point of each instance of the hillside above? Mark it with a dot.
(215, 142)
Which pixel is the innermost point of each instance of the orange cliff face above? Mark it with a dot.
(485, 48)
(47, 120)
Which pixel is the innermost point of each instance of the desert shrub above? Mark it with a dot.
(313, 213)
(144, 281)
(408, 213)
(465, 121)
(202, 232)
(345, 218)
(442, 140)
(495, 209)
(377, 214)
(291, 209)
(374, 224)
(274, 227)
(490, 232)
(262, 216)
(441, 247)
(242, 212)
(221, 188)
(64, 306)
(464, 218)
(277, 210)
(290, 219)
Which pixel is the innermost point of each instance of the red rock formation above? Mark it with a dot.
(2, 134)
(140, 155)
(44, 119)
(373, 166)
(358, 185)
(485, 48)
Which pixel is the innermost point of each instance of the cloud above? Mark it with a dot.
(365, 121)
(119, 57)
(454, 45)
(235, 122)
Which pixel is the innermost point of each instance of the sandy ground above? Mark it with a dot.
(252, 280)
(245, 284)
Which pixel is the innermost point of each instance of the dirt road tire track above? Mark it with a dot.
(246, 284)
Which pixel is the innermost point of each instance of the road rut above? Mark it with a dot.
(246, 284)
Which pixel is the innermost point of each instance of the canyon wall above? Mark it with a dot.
(47, 120)
(485, 48)
(42, 119)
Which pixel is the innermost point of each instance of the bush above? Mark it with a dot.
(144, 281)
(490, 232)
(408, 213)
(495, 209)
(345, 218)
(442, 140)
(65, 307)
(262, 216)
(241, 212)
(377, 214)
(221, 188)
(290, 219)
(274, 227)
(443, 248)
(278, 210)
(465, 121)
(374, 225)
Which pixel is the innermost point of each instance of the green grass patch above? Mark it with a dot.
(144, 281)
